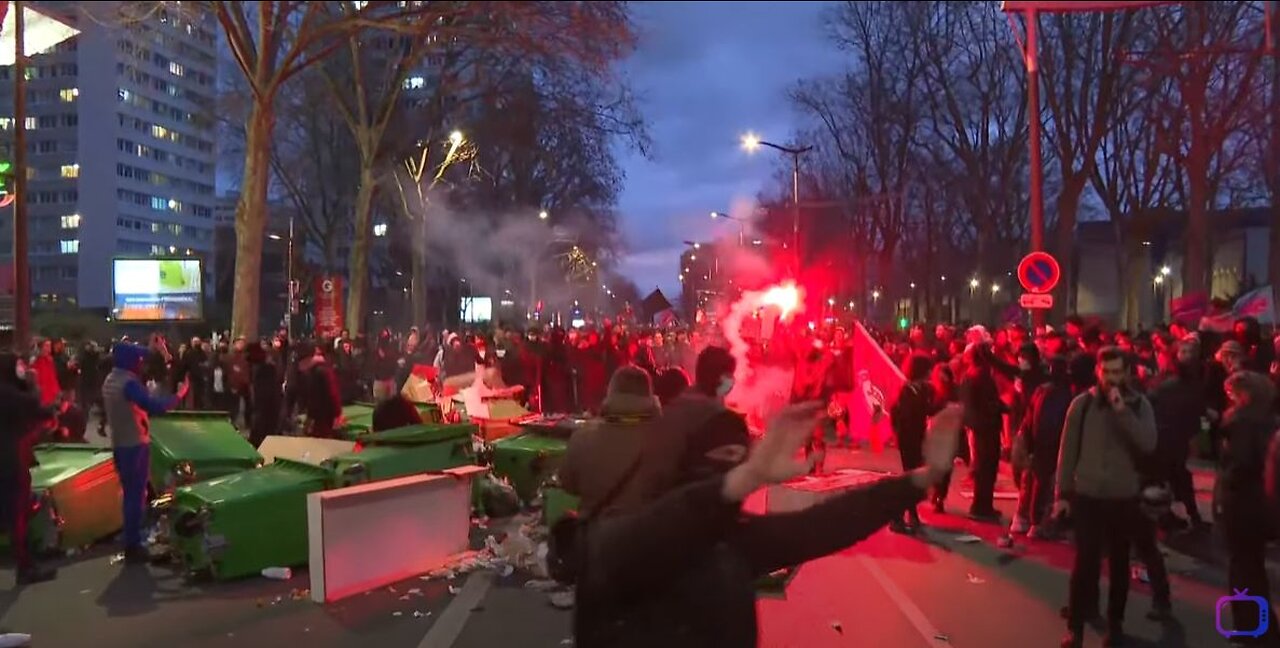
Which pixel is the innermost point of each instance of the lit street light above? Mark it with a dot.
(752, 142)
(875, 294)
(274, 237)
(1159, 279)
(544, 215)
(1165, 271)
(974, 283)
(455, 138)
(995, 288)
(736, 221)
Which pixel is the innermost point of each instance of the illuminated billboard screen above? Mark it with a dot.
(157, 290)
(476, 309)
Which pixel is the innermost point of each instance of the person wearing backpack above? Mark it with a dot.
(1107, 431)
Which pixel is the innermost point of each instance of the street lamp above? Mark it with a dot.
(995, 288)
(544, 215)
(1165, 271)
(736, 221)
(456, 138)
(752, 142)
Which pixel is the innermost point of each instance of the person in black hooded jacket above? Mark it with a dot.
(23, 418)
(680, 571)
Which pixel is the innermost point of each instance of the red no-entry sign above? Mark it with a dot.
(1038, 272)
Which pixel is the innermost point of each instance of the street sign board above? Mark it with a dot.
(1036, 301)
(1038, 272)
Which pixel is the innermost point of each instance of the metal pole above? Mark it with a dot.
(21, 269)
(1037, 167)
(795, 201)
(293, 295)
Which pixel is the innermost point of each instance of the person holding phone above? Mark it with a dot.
(1108, 432)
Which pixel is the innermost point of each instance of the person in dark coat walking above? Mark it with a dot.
(1239, 498)
(267, 396)
(23, 419)
(910, 417)
(984, 413)
(1178, 400)
(1040, 435)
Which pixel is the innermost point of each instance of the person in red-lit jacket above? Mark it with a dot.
(46, 374)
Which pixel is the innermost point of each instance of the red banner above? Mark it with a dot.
(328, 292)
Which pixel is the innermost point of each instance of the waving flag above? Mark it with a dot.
(1259, 304)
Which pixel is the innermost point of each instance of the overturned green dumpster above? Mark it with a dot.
(187, 447)
(528, 459)
(237, 525)
(357, 418)
(388, 454)
(77, 497)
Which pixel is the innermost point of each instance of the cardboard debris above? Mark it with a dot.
(976, 580)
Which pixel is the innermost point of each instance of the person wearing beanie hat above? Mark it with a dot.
(603, 455)
(128, 407)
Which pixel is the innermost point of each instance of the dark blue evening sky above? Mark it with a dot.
(706, 72)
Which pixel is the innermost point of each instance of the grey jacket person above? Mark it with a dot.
(1097, 456)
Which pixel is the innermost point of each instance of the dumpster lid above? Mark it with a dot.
(560, 426)
(199, 438)
(56, 462)
(419, 434)
(281, 475)
(532, 441)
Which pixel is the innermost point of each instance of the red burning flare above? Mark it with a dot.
(785, 297)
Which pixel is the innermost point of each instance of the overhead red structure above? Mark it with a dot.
(1059, 6)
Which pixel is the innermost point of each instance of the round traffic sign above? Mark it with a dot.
(1038, 272)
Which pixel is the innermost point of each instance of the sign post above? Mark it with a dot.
(1038, 273)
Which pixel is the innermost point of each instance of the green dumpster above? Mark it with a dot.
(530, 458)
(237, 525)
(404, 451)
(187, 447)
(358, 418)
(556, 502)
(77, 497)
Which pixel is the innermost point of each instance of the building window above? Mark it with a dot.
(71, 170)
(69, 94)
(31, 123)
(69, 69)
(70, 222)
(47, 121)
(70, 272)
(70, 247)
(414, 83)
(47, 146)
(70, 120)
(176, 69)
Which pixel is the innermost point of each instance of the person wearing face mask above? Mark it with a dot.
(20, 426)
(1109, 431)
(680, 570)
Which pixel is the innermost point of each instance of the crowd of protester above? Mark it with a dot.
(1098, 425)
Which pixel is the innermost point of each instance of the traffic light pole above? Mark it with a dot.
(21, 269)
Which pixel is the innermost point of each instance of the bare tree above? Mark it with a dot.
(1083, 76)
(1200, 73)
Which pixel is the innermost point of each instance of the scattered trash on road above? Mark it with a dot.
(415, 591)
(278, 573)
(417, 614)
(85, 591)
(976, 580)
(453, 590)
(838, 627)
(116, 559)
(397, 613)
(968, 538)
(566, 642)
(562, 600)
(1005, 542)
(1140, 574)
(941, 637)
(541, 585)
(404, 598)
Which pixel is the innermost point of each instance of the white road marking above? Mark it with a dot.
(927, 631)
(449, 625)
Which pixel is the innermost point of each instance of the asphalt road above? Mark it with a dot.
(890, 590)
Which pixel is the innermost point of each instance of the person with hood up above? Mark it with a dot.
(599, 453)
(19, 427)
(909, 417)
(1039, 437)
(680, 570)
(128, 407)
(323, 403)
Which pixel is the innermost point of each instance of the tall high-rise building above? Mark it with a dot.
(121, 147)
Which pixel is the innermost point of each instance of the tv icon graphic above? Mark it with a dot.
(1242, 596)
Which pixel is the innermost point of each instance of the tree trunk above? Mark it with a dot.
(358, 269)
(419, 253)
(251, 220)
(1274, 180)
(1064, 245)
(1195, 262)
(1133, 285)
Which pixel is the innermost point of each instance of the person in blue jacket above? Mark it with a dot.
(128, 407)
